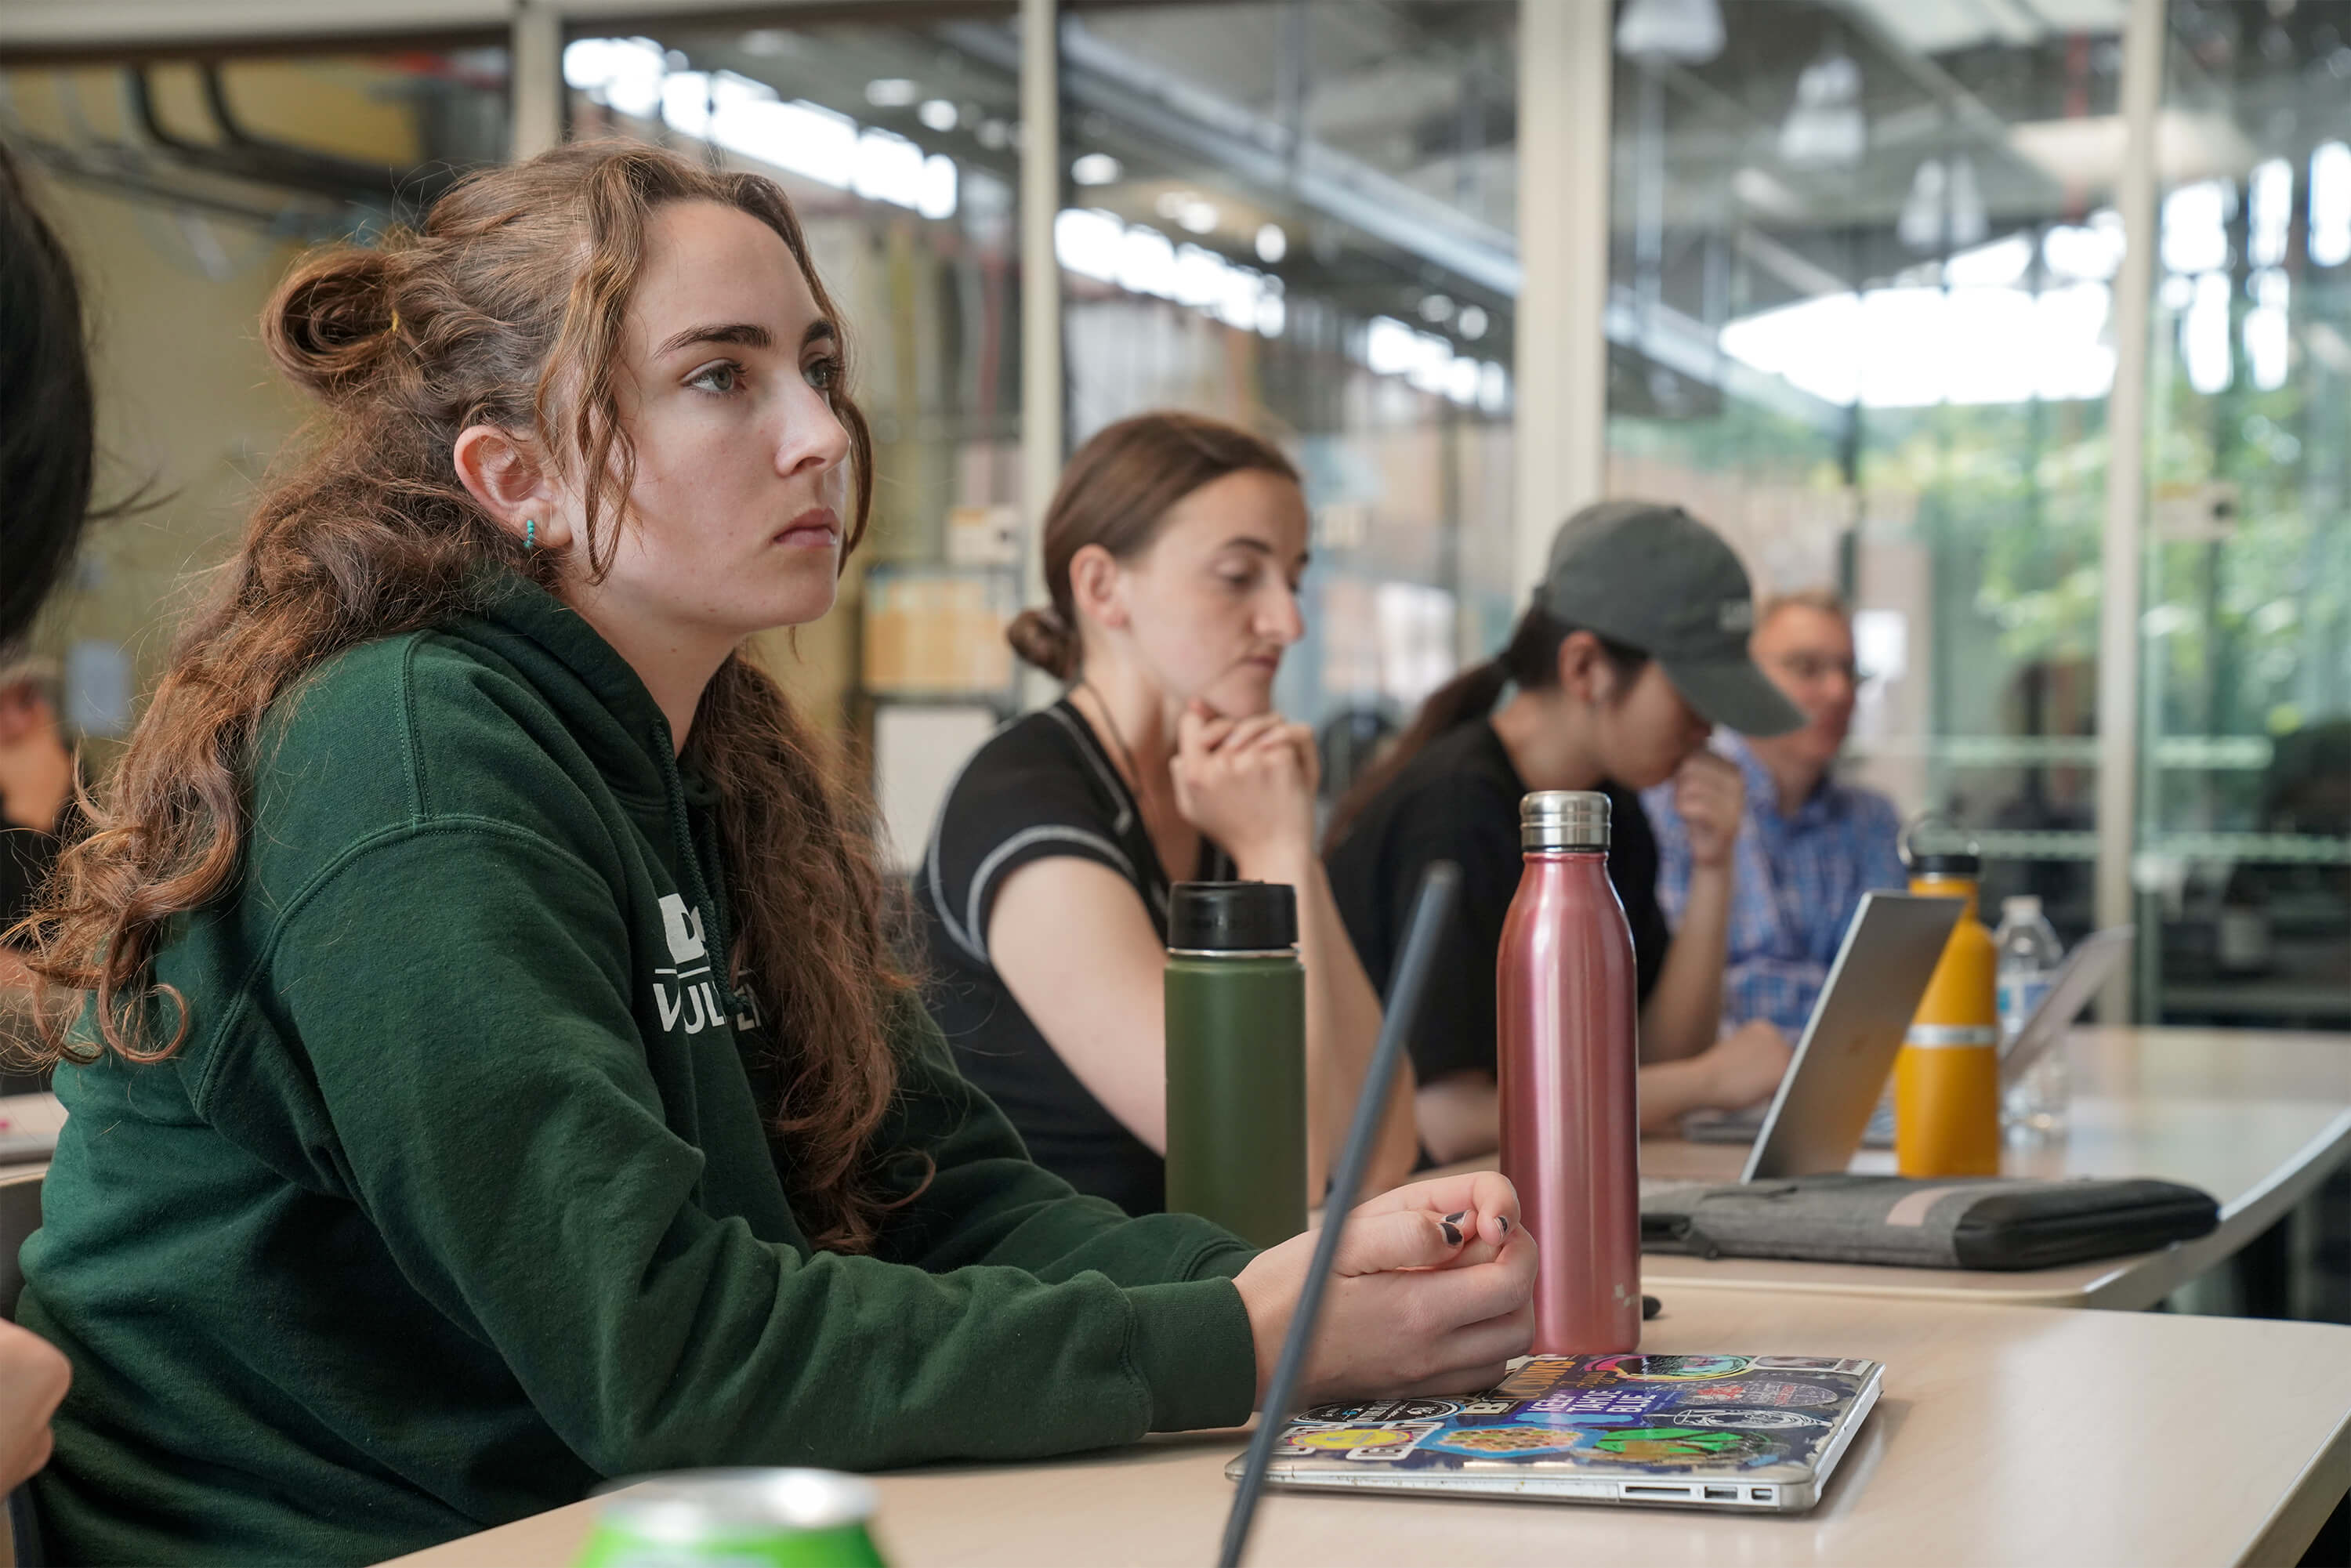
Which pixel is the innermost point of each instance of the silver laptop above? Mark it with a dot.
(2084, 972)
(1756, 1433)
(1823, 1108)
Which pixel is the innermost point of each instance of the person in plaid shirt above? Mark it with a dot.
(1810, 846)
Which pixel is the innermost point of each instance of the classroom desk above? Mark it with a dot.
(2257, 1118)
(2008, 1437)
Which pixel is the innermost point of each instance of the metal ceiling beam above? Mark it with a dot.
(1102, 79)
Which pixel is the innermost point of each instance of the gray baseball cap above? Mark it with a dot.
(1654, 578)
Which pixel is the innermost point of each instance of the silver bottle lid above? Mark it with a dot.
(1564, 819)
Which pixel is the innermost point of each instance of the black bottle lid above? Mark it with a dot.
(1232, 917)
(1933, 845)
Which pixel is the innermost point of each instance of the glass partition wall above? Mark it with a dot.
(1860, 314)
(1861, 300)
(1298, 215)
(184, 188)
(2245, 782)
(1862, 288)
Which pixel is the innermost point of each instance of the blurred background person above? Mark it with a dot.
(37, 790)
(1810, 845)
(1634, 649)
(46, 445)
(1173, 551)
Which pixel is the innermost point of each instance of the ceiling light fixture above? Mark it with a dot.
(1689, 31)
(1824, 129)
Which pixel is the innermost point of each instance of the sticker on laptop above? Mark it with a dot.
(1685, 1445)
(1743, 1418)
(1495, 1442)
(1671, 1368)
(1380, 1410)
(1571, 1405)
(1763, 1391)
(1374, 1444)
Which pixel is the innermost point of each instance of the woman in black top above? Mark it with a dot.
(1635, 646)
(1172, 550)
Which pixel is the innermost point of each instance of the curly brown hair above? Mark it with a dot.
(506, 309)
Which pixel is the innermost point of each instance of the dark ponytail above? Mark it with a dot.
(1530, 660)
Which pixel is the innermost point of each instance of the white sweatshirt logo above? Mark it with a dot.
(685, 993)
(683, 927)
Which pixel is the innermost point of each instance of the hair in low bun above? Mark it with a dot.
(334, 320)
(1046, 641)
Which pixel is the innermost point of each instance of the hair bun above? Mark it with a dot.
(1046, 641)
(330, 322)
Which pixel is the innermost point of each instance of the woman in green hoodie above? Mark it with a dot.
(489, 1074)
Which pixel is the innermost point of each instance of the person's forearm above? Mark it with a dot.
(1461, 1117)
(1670, 1090)
(1684, 1012)
(1342, 1025)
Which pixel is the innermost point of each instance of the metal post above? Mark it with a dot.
(2144, 35)
(536, 80)
(1040, 275)
(1560, 443)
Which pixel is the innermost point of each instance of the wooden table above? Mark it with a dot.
(2007, 1435)
(2255, 1117)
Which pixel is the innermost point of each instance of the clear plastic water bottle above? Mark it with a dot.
(2035, 1106)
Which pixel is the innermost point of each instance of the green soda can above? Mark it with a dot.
(734, 1519)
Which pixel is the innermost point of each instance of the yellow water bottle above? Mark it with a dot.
(1946, 1079)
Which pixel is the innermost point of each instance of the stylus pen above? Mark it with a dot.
(1430, 910)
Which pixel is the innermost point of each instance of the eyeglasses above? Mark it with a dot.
(1810, 667)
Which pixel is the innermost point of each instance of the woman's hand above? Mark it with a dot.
(1431, 1293)
(1711, 793)
(32, 1379)
(1248, 783)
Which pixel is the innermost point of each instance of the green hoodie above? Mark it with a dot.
(457, 1199)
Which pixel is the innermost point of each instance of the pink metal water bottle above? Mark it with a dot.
(1567, 1056)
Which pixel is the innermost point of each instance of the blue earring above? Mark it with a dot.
(530, 533)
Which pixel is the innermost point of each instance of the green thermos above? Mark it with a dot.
(1237, 1058)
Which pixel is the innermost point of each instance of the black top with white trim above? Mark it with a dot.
(1042, 787)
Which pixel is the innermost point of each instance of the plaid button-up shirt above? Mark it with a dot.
(1795, 882)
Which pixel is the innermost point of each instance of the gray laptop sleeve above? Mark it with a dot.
(1966, 1222)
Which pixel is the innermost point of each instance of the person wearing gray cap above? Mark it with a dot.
(1634, 649)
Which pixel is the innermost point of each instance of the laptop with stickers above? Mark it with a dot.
(1756, 1432)
(1762, 1433)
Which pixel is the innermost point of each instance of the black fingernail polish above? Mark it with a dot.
(1503, 1220)
(1457, 1216)
(1452, 1233)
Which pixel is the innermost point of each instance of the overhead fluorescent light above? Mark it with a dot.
(1689, 31)
(1825, 130)
(2087, 153)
